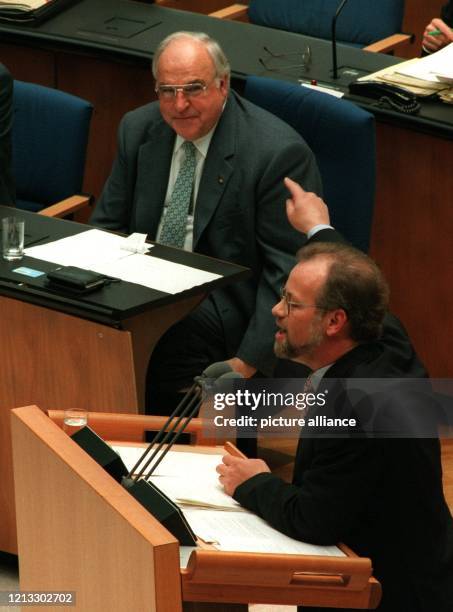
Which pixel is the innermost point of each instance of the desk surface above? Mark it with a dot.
(113, 303)
(132, 30)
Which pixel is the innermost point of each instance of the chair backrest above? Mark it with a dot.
(361, 21)
(50, 136)
(342, 137)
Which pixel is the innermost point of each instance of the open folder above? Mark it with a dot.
(430, 75)
(189, 479)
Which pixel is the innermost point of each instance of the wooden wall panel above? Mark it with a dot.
(411, 237)
(29, 64)
(114, 88)
(417, 14)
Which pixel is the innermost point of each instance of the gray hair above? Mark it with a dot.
(221, 63)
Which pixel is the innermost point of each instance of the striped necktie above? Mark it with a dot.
(174, 225)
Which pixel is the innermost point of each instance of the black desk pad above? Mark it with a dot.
(114, 302)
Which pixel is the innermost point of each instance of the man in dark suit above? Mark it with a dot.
(382, 497)
(6, 115)
(444, 24)
(236, 210)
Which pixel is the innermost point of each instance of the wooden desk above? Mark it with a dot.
(81, 531)
(88, 352)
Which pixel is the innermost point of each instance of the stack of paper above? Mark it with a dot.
(422, 76)
(434, 68)
(246, 532)
(123, 258)
(22, 5)
(199, 486)
(191, 481)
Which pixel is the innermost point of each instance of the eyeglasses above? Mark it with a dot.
(285, 297)
(268, 64)
(189, 90)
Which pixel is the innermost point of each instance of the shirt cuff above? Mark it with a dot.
(317, 228)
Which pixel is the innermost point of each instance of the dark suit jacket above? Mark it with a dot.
(240, 213)
(447, 13)
(382, 497)
(6, 113)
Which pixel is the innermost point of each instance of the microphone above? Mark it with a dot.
(147, 493)
(334, 38)
(217, 369)
(191, 411)
(184, 412)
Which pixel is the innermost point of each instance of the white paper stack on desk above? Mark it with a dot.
(425, 76)
(191, 481)
(122, 258)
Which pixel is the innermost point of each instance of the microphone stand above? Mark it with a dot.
(334, 39)
(139, 485)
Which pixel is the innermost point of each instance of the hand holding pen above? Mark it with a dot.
(437, 34)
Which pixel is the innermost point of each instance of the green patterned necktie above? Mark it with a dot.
(173, 231)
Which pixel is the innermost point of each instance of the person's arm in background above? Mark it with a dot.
(278, 244)
(432, 43)
(306, 211)
(7, 192)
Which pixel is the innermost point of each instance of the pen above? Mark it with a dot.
(233, 450)
(437, 32)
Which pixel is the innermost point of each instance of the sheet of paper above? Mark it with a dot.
(85, 250)
(175, 463)
(156, 273)
(392, 75)
(184, 555)
(246, 532)
(336, 93)
(105, 253)
(428, 67)
(189, 479)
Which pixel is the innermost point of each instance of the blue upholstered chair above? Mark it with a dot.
(342, 137)
(50, 136)
(372, 24)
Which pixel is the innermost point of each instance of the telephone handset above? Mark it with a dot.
(390, 96)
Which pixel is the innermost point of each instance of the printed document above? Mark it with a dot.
(110, 254)
(191, 481)
(247, 532)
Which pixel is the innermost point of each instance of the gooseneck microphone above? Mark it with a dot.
(176, 423)
(139, 485)
(334, 39)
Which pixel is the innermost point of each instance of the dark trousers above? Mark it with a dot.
(182, 353)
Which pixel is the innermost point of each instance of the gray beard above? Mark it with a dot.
(285, 350)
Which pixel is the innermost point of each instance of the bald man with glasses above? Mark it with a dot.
(202, 169)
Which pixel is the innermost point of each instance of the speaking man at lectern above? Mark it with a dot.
(382, 497)
(203, 169)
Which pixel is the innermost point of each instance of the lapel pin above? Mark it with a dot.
(221, 179)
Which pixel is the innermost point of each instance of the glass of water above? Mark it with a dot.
(12, 238)
(73, 420)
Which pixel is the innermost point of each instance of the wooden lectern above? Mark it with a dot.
(79, 530)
